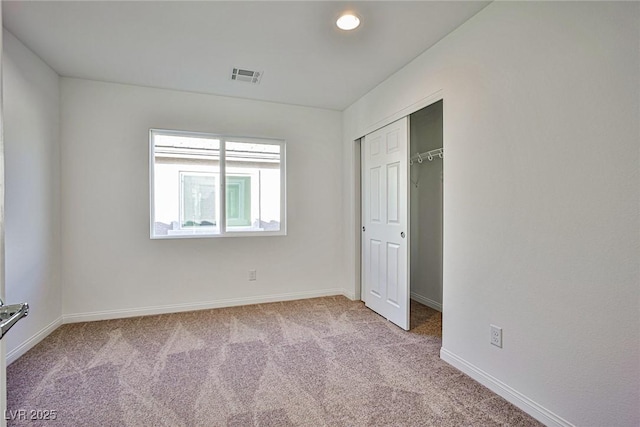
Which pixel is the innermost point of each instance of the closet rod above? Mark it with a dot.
(427, 155)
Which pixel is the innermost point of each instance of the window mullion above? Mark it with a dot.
(223, 187)
(283, 186)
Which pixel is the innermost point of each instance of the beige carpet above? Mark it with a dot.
(425, 320)
(318, 362)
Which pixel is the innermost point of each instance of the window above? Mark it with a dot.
(189, 171)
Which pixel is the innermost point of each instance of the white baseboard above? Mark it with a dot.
(14, 354)
(350, 295)
(513, 396)
(176, 308)
(427, 301)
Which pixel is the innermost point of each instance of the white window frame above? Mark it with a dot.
(222, 232)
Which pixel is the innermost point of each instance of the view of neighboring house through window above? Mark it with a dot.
(188, 172)
(198, 199)
(238, 201)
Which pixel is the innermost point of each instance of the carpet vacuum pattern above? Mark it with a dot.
(318, 362)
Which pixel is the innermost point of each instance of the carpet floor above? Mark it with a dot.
(425, 320)
(317, 362)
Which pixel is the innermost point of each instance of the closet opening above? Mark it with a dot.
(426, 218)
(401, 220)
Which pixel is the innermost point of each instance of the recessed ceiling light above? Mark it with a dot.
(348, 21)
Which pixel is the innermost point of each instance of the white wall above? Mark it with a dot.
(32, 197)
(541, 201)
(426, 207)
(110, 265)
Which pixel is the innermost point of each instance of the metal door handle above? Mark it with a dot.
(402, 234)
(10, 314)
(364, 229)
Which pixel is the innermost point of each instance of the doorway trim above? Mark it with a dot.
(3, 355)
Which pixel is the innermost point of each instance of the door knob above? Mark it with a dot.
(364, 229)
(402, 234)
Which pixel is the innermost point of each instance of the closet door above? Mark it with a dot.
(385, 219)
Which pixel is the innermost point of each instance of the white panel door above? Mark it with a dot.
(385, 220)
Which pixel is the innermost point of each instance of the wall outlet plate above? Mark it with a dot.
(496, 336)
(253, 274)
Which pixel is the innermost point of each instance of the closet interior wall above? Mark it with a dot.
(425, 127)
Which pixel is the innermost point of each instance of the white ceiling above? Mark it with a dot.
(193, 46)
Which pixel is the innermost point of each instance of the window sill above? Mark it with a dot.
(188, 235)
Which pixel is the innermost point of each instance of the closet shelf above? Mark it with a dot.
(427, 155)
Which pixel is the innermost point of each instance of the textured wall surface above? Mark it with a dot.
(32, 197)
(109, 261)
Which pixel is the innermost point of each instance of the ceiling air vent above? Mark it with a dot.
(248, 76)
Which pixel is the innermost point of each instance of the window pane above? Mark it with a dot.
(185, 175)
(253, 186)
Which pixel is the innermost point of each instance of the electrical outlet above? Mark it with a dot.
(253, 275)
(496, 336)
